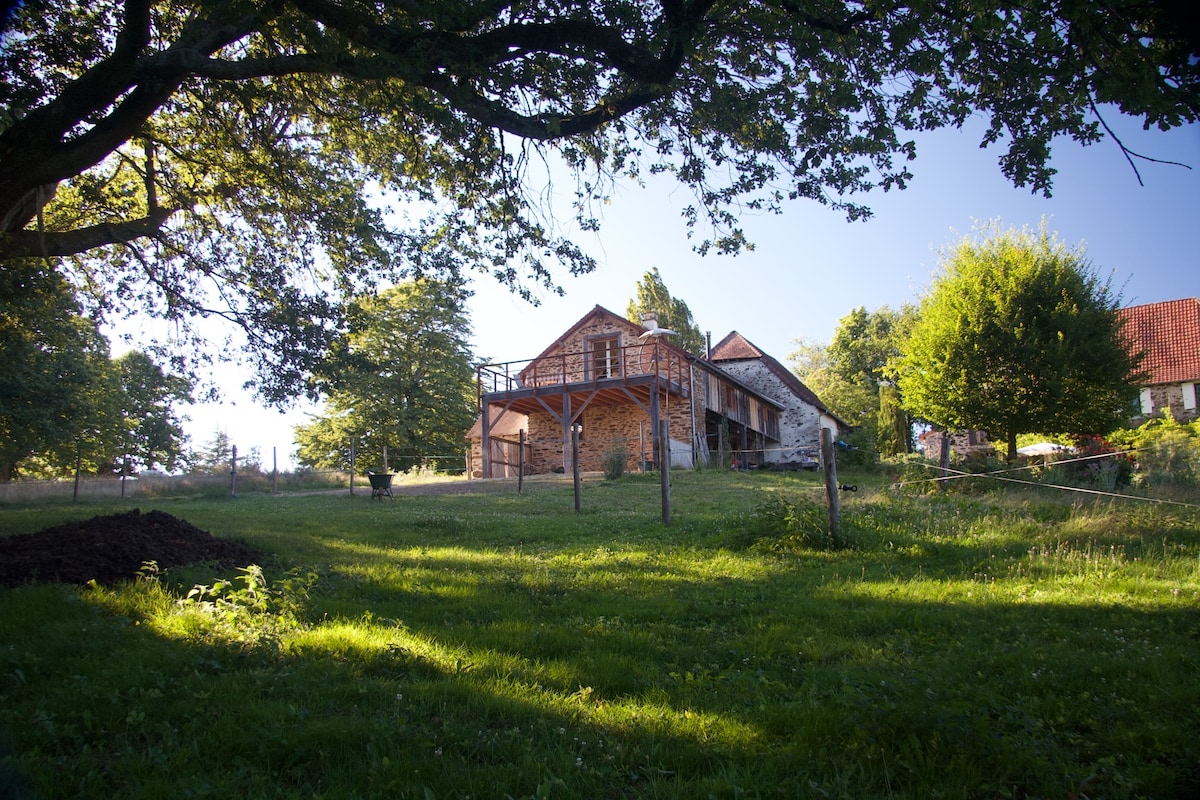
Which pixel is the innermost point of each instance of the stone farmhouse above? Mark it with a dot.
(616, 382)
(1168, 333)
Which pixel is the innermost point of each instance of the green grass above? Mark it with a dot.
(964, 646)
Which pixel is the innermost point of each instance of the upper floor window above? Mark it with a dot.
(606, 357)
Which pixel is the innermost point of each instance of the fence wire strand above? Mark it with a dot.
(1001, 475)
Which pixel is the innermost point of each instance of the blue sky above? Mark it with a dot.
(811, 267)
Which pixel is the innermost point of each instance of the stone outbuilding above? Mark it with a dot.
(804, 415)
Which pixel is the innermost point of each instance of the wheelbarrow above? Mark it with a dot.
(381, 484)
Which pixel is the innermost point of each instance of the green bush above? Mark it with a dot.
(1168, 452)
(614, 461)
(780, 525)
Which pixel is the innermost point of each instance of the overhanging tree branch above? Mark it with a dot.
(32, 243)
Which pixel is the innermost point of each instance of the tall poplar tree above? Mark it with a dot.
(670, 311)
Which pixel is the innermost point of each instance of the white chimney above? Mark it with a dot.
(649, 320)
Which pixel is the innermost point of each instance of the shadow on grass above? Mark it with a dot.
(431, 662)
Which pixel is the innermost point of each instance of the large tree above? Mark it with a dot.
(236, 157)
(1018, 335)
(151, 430)
(404, 388)
(852, 374)
(671, 312)
(52, 369)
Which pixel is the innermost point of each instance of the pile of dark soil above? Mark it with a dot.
(112, 548)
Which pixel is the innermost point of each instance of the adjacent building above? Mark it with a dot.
(1168, 333)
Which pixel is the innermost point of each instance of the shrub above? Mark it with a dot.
(1108, 472)
(614, 461)
(1168, 452)
(780, 525)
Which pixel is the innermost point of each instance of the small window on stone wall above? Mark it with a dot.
(1189, 397)
(606, 357)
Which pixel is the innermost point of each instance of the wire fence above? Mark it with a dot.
(1008, 475)
(160, 485)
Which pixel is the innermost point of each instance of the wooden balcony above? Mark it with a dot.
(576, 379)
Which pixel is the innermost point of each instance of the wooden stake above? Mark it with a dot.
(829, 460)
(664, 452)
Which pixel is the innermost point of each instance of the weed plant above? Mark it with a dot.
(962, 645)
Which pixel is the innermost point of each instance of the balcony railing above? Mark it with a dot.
(582, 367)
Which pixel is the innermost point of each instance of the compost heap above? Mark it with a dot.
(112, 548)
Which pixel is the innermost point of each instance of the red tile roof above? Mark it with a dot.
(1169, 334)
(734, 347)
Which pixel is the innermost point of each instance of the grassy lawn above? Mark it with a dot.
(1023, 644)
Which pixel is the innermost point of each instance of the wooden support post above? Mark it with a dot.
(575, 465)
(566, 426)
(664, 471)
(274, 470)
(944, 460)
(829, 462)
(485, 455)
(233, 473)
(655, 427)
(642, 447)
(521, 463)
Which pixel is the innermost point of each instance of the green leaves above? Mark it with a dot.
(401, 387)
(1018, 335)
(265, 164)
(671, 312)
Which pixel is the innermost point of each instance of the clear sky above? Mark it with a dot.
(811, 267)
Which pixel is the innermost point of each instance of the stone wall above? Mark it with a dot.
(1167, 397)
(606, 427)
(799, 422)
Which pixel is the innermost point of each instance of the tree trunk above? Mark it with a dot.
(1012, 447)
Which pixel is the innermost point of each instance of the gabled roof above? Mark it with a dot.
(597, 314)
(1169, 334)
(735, 347)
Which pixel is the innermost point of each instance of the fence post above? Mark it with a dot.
(78, 468)
(274, 470)
(664, 449)
(520, 462)
(233, 473)
(351, 465)
(575, 465)
(831, 484)
(944, 460)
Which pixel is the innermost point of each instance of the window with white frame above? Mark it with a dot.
(1189, 396)
(1147, 403)
(606, 357)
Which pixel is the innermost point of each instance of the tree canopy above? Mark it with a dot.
(671, 312)
(405, 391)
(853, 373)
(52, 364)
(63, 401)
(1018, 335)
(240, 158)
